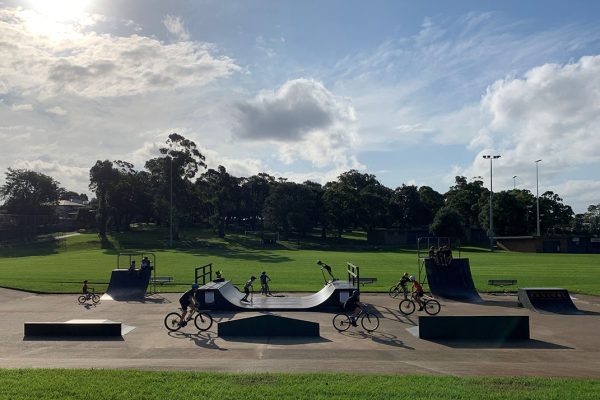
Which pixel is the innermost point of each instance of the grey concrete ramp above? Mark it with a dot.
(268, 325)
(127, 285)
(225, 296)
(548, 300)
(453, 281)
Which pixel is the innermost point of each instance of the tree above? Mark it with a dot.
(468, 199)
(181, 161)
(28, 192)
(288, 208)
(448, 222)
(102, 178)
(255, 190)
(217, 189)
(554, 215)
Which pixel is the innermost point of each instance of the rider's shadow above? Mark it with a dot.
(378, 337)
(200, 339)
(88, 306)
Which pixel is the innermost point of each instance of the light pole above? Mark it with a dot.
(537, 196)
(514, 182)
(491, 233)
(171, 202)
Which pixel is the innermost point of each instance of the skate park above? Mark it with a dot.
(562, 345)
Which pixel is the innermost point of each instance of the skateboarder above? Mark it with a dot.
(247, 288)
(264, 286)
(188, 298)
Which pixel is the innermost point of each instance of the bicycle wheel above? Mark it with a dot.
(341, 322)
(172, 321)
(394, 291)
(432, 307)
(407, 306)
(95, 298)
(203, 321)
(81, 299)
(369, 322)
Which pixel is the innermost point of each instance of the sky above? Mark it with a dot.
(412, 92)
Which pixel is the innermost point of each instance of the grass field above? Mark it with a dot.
(60, 267)
(131, 385)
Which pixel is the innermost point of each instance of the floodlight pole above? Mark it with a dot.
(491, 233)
(514, 182)
(171, 203)
(537, 196)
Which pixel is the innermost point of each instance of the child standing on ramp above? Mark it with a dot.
(247, 288)
(264, 285)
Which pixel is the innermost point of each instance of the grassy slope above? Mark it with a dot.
(52, 268)
(131, 385)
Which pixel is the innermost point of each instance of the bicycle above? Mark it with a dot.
(397, 289)
(369, 322)
(89, 296)
(430, 305)
(202, 320)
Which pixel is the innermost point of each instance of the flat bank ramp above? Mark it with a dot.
(453, 281)
(127, 285)
(548, 300)
(225, 296)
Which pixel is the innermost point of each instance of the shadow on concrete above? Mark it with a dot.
(72, 339)
(200, 339)
(378, 337)
(500, 303)
(397, 316)
(275, 340)
(486, 344)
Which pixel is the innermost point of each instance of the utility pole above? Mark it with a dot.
(491, 233)
(537, 196)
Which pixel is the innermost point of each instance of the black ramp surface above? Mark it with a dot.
(128, 285)
(549, 300)
(225, 296)
(268, 325)
(453, 281)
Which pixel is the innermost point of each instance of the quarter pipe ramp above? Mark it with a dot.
(452, 281)
(547, 300)
(127, 285)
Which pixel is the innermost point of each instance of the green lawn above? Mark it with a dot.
(130, 385)
(60, 268)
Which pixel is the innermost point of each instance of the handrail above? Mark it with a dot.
(353, 275)
(203, 275)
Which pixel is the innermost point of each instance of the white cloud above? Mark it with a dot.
(57, 110)
(92, 64)
(175, 26)
(21, 107)
(305, 120)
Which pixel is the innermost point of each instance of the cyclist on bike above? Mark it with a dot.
(84, 288)
(403, 284)
(417, 291)
(188, 298)
(354, 306)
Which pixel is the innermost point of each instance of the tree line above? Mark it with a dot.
(177, 187)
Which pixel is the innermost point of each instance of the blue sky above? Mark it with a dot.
(413, 92)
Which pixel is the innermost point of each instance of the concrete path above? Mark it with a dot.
(561, 346)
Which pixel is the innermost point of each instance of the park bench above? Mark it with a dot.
(161, 280)
(364, 281)
(502, 283)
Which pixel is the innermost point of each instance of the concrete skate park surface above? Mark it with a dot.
(561, 345)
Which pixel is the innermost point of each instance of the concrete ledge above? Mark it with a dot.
(72, 329)
(474, 327)
(268, 325)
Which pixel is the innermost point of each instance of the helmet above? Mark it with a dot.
(264, 273)
(412, 278)
(253, 277)
(355, 293)
(195, 286)
(405, 274)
